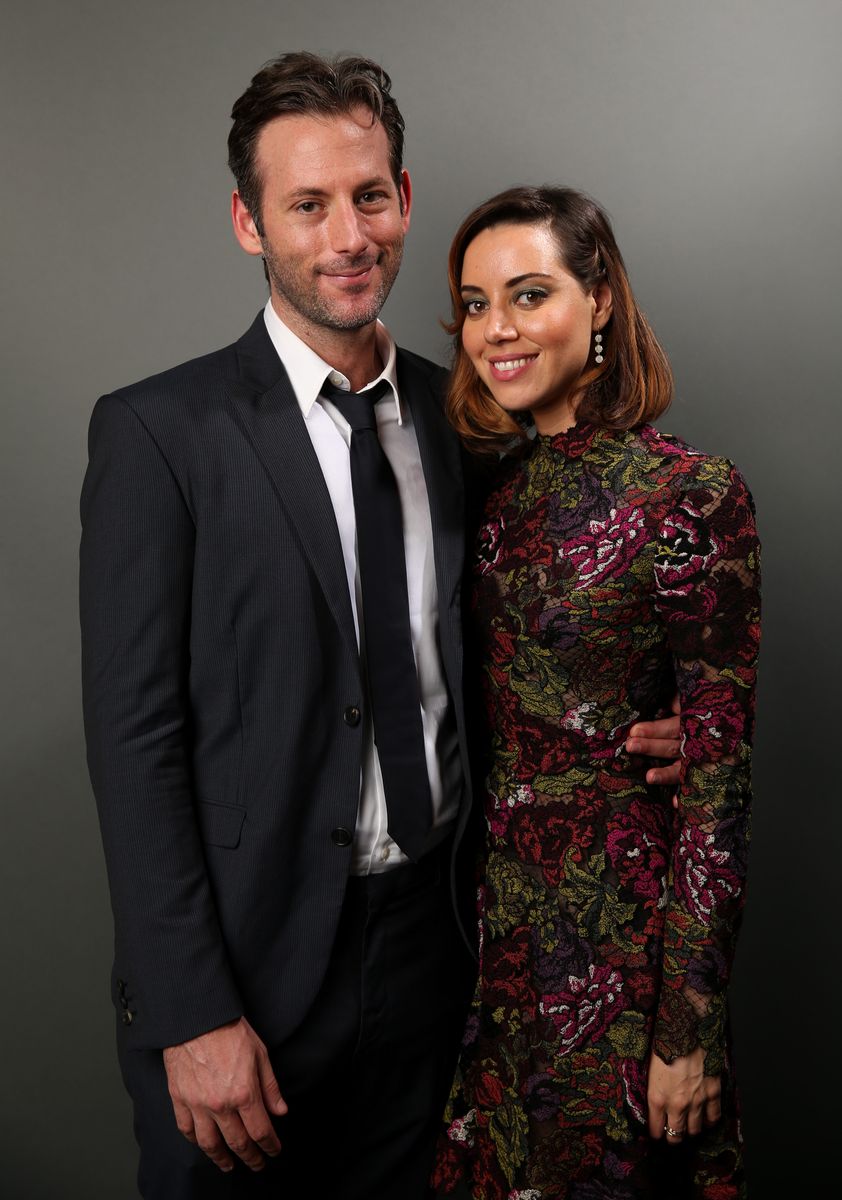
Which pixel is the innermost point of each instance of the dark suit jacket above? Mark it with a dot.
(219, 659)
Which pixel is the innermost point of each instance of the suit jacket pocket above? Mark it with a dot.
(220, 824)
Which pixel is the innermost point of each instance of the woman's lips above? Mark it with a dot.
(505, 369)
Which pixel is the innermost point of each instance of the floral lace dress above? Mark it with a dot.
(611, 567)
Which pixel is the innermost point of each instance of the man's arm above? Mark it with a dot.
(136, 576)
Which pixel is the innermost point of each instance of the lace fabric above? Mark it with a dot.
(612, 569)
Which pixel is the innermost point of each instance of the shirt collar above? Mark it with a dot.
(307, 371)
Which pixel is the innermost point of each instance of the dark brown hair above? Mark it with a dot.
(304, 84)
(633, 384)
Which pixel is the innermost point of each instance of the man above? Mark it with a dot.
(273, 708)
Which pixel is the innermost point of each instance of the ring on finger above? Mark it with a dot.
(670, 1132)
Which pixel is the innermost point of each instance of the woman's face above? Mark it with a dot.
(529, 324)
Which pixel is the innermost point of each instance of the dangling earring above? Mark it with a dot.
(597, 347)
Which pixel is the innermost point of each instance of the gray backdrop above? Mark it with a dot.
(711, 131)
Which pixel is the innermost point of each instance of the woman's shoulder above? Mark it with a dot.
(683, 465)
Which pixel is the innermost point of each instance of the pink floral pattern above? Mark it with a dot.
(585, 1008)
(705, 879)
(607, 549)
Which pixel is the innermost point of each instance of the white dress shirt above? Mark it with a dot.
(373, 850)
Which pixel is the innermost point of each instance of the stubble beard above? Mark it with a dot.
(287, 281)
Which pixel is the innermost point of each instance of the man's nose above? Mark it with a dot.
(347, 230)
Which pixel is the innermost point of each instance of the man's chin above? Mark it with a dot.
(345, 313)
(353, 316)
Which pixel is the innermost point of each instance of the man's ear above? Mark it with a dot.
(405, 198)
(245, 230)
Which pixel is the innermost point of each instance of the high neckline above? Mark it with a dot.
(572, 442)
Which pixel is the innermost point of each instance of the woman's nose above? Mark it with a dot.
(498, 325)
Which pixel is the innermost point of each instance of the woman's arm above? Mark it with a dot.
(706, 578)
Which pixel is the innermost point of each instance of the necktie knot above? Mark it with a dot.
(357, 407)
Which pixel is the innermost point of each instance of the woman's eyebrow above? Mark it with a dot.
(472, 287)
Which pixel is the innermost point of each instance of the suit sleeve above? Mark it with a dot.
(136, 565)
(707, 583)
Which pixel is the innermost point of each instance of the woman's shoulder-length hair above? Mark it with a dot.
(631, 386)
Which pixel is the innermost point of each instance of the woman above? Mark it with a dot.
(615, 563)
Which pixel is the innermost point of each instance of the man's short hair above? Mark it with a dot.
(301, 83)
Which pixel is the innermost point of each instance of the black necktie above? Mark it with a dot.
(390, 663)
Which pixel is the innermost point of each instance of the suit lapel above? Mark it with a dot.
(440, 460)
(266, 409)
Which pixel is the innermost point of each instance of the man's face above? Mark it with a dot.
(333, 220)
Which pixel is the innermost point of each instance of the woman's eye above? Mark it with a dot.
(474, 307)
(525, 299)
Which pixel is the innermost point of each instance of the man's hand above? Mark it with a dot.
(659, 739)
(223, 1091)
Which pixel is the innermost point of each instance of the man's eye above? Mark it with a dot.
(372, 197)
(307, 206)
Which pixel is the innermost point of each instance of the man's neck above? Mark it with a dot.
(353, 352)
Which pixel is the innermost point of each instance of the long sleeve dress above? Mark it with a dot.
(611, 569)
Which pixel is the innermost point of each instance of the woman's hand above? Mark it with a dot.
(680, 1097)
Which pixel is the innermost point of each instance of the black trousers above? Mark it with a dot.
(365, 1076)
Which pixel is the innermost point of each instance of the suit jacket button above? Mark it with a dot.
(127, 1018)
(351, 715)
(341, 836)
